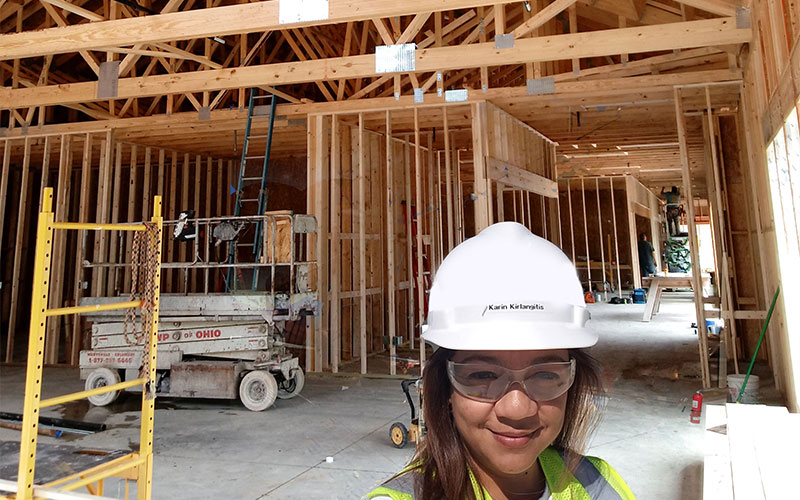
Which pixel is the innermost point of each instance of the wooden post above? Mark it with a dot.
(448, 182)
(321, 172)
(184, 203)
(571, 224)
(102, 208)
(133, 187)
(362, 246)
(632, 233)
(83, 216)
(616, 239)
(420, 249)
(586, 236)
(312, 324)
(336, 253)
(147, 182)
(481, 185)
(22, 216)
(600, 233)
(409, 242)
(59, 247)
(110, 285)
(193, 246)
(724, 282)
(390, 238)
(697, 278)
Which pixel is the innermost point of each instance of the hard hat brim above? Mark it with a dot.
(511, 336)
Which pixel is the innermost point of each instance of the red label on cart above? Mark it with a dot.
(207, 334)
(108, 358)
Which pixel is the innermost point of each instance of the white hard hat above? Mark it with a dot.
(507, 289)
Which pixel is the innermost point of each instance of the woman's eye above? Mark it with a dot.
(483, 375)
(546, 376)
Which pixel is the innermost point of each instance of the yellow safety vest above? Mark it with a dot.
(593, 479)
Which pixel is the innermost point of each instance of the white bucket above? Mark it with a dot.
(750, 395)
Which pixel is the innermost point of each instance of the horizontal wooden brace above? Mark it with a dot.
(597, 43)
(510, 175)
(605, 87)
(201, 23)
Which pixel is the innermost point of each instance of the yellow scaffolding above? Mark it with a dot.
(136, 466)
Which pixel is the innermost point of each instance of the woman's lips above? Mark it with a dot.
(514, 439)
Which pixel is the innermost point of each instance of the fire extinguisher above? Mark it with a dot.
(697, 408)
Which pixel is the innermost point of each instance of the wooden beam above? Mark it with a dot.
(557, 47)
(200, 23)
(511, 175)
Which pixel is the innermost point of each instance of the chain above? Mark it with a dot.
(144, 264)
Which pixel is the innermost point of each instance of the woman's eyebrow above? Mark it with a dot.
(552, 358)
(480, 357)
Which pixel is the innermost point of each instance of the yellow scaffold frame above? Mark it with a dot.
(136, 465)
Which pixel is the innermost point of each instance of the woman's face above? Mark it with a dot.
(506, 437)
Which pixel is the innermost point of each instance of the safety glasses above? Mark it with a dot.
(487, 382)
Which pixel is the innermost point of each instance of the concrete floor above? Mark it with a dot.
(211, 450)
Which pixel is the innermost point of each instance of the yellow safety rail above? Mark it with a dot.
(137, 465)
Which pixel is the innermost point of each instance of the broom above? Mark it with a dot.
(758, 346)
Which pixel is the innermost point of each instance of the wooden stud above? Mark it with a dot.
(362, 245)
(586, 236)
(336, 245)
(83, 216)
(719, 222)
(696, 270)
(448, 183)
(111, 286)
(420, 249)
(390, 242)
(22, 216)
(571, 224)
(147, 183)
(616, 238)
(600, 234)
(409, 244)
(59, 247)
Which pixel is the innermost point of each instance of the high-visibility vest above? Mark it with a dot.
(593, 479)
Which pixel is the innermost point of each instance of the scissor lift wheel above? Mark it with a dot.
(102, 377)
(258, 390)
(399, 435)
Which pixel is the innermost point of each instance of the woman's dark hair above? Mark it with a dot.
(441, 458)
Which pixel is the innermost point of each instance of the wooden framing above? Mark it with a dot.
(612, 96)
(693, 243)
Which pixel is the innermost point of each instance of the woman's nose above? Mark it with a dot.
(516, 404)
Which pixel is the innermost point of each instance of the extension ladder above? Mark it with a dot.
(247, 202)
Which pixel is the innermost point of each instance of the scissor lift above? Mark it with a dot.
(218, 345)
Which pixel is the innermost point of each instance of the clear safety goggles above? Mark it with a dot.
(488, 382)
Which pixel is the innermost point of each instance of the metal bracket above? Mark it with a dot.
(504, 41)
(537, 86)
(108, 80)
(742, 17)
(457, 95)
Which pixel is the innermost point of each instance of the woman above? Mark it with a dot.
(509, 394)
